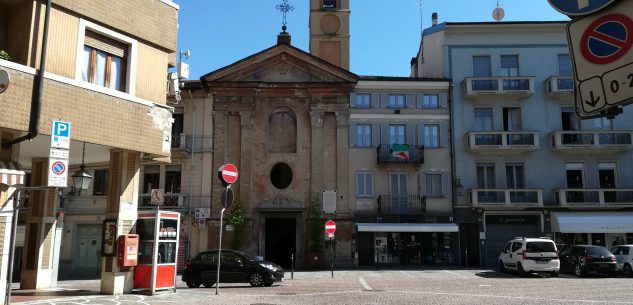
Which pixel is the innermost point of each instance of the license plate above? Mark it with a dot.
(541, 262)
(282, 279)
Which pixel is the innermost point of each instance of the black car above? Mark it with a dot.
(582, 259)
(235, 267)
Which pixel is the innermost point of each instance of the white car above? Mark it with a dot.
(527, 255)
(624, 257)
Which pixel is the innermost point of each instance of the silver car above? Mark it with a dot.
(624, 257)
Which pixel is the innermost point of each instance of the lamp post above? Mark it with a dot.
(81, 178)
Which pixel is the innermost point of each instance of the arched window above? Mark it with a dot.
(282, 131)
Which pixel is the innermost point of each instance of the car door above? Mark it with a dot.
(565, 259)
(206, 264)
(619, 255)
(515, 253)
(230, 268)
(505, 254)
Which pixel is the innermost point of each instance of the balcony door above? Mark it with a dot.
(399, 191)
(397, 134)
(606, 175)
(515, 179)
(512, 119)
(569, 119)
(486, 180)
(575, 180)
(482, 68)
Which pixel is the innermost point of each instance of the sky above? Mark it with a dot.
(385, 35)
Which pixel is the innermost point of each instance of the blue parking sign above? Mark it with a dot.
(579, 7)
(60, 134)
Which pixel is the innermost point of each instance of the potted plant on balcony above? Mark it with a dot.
(4, 55)
(315, 225)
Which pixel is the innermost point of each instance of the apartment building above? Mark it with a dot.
(525, 165)
(400, 171)
(103, 68)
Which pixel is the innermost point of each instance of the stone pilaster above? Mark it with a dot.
(122, 206)
(316, 177)
(342, 162)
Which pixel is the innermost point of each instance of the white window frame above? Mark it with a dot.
(396, 128)
(131, 61)
(367, 193)
(428, 137)
(428, 193)
(396, 98)
(429, 105)
(363, 135)
(362, 97)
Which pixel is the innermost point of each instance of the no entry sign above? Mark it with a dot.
(228, 173)
(330, 227)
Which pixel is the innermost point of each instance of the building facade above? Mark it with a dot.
(105, 71)
(400, 170)
(525, 165)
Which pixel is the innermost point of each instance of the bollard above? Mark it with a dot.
(292, 266)
(466, 258)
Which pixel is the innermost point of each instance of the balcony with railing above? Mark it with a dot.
(400, 204)
(583, 198)
(507, 86)
(506, 198)
(170, 202)
(199, 143)
(560, 87)
(400, 153)
(592, 141)
(509, 142)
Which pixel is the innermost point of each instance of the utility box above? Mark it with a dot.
(127, 255)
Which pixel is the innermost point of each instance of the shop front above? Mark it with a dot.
(406, 244)
(605, 229)
(500, 228)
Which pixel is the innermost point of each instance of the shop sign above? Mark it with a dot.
(511, 219)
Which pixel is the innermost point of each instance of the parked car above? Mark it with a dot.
(526, 255)
(583, 259)
(235, 267)
(624, 257)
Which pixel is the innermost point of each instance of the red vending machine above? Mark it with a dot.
(158, 250)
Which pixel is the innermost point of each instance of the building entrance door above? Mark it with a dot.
(88, 251)
(281, 240)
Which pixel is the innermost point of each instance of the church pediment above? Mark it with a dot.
(281, 64)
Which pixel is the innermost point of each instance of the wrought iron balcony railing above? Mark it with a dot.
(401, 204)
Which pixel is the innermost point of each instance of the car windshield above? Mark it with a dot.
(598, 251)
(540, 246)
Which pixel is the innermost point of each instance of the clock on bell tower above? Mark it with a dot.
(329, 31)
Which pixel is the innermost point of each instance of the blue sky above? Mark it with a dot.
(384, 34)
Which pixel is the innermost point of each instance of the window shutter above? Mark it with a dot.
(352, 100)
(420, 137)
(359, 184)
(369, 184)
(375, 100)
(375, 135)
(410, 134)
(410, 100)
(384, 100)
(106, 44)
(443, 100)
(384, 134)
(446, 186)
(419, 100)
(352, 135)
(422, 184)
(444, 134)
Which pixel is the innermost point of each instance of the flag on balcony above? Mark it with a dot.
(400, 151)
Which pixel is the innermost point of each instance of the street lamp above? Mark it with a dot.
(81, 179)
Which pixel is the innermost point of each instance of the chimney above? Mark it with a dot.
(434, 19)
(283, 37)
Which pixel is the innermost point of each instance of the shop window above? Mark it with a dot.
(100, 182)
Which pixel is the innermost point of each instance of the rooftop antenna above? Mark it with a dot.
(498, 13)
(419, 6)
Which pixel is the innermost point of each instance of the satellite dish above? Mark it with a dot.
(498, 14)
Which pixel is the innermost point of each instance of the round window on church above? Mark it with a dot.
(281, 175)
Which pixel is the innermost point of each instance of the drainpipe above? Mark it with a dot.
(193, 150)
(38, 87)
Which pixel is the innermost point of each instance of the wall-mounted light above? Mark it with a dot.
(81, 178)
(459, 188)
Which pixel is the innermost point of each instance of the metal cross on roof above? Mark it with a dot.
(284, 8)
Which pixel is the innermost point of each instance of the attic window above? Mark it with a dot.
(329, 3)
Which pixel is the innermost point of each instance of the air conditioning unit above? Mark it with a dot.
(173, 86)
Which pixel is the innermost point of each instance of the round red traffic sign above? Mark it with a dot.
(58, 167)
(330, 227)
(229, 173)
(607, 39)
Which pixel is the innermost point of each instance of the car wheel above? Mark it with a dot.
(520, 270)
(193, 281)
(579, 271)
(256, 279)
(208, 284)
(554, 273)
(627, 270)
(502, 268)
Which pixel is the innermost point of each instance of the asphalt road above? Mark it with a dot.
(393, 287)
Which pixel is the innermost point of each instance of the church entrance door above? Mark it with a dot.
(281, 240)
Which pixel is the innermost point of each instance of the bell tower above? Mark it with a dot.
(329, 31)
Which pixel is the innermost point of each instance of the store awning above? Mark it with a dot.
(407, 227)
(11, 173)
(592, 222)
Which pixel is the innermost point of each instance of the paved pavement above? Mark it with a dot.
(372, 287)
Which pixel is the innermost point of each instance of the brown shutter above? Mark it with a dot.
(106, 44)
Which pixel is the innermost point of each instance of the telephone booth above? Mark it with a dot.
(158, 250)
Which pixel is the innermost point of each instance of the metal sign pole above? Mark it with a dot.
(14, 226)
(217, 279)
(332, 254)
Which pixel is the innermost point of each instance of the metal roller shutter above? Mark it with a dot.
(498, 235)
